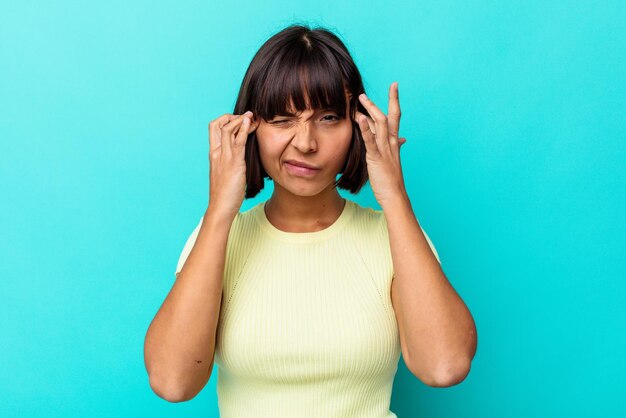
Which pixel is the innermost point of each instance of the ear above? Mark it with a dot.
(254, 124)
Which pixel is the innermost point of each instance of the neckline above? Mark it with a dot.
(303, 237)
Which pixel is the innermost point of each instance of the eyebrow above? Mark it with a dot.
(285, 113)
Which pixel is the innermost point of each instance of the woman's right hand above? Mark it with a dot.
(228, 135)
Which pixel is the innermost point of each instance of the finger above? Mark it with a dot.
(371, 124)
(229, 130)
(380, 123)
(242, 136)
(215, 133)
(394, 112)
(366, 132)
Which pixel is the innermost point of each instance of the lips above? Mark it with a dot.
(295, 170)
(301, 164)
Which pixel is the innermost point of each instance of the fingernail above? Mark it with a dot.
(363, 96)
(248, 113)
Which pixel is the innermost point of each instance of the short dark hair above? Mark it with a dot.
(295, 60)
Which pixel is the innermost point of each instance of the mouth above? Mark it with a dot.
(301, 164)
(300, 171)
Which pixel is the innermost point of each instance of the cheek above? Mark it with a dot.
(267, 153)
(271, 140)
(270, 151)
(345, 137)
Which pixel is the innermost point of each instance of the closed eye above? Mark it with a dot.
(282, 121)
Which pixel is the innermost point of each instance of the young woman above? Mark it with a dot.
(307, 300)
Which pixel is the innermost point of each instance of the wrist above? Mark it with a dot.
(399, 199)
(218, 215)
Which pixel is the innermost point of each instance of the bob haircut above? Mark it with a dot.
(310, 68)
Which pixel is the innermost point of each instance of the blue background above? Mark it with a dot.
(515, 165)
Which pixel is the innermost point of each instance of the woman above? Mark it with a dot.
(307, 300)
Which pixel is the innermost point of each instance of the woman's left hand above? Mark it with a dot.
(382, 144)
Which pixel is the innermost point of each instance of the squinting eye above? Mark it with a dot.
(279, 122)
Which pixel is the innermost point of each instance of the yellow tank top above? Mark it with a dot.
(306, 326)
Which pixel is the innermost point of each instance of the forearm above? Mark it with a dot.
(438, 329)
(180, 342)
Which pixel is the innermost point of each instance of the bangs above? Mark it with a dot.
(299, 79)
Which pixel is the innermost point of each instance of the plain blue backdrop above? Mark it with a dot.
(515, 115)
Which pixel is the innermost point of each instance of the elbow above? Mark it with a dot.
(454, 368)
(175, 384)
(450, 373)
(169, 389)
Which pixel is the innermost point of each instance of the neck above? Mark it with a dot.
(292, 213)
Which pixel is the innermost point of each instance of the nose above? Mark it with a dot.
(304, 139)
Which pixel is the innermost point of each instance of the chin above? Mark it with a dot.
(304, 189)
